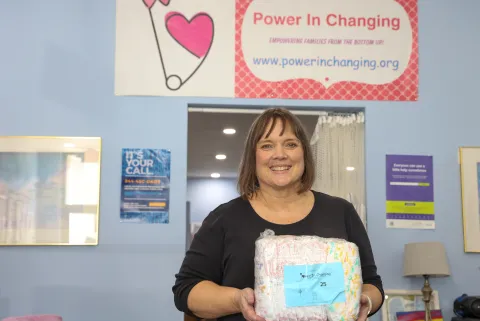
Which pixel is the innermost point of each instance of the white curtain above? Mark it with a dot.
(338, 152)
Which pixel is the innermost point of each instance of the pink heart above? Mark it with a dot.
(149, 3)
(195, 35)
(165, 2)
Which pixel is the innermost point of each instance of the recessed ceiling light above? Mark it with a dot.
(229, 131)
(221, 156)
(69, 145)
(215, 175)
(350, 168)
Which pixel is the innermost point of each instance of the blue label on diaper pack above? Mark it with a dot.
(311, 285)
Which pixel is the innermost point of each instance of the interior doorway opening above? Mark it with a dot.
(216, 136)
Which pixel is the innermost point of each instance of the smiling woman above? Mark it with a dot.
(216, 279)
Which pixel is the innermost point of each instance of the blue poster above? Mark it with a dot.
(145, 194)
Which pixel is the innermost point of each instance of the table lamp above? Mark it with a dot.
(425, 259)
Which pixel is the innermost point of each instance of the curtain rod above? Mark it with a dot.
(252, 111)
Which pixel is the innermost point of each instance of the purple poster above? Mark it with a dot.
(410, 201)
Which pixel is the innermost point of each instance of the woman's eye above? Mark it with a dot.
(292, 145)
(266, 146)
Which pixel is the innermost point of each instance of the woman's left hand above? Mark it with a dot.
(365, 307)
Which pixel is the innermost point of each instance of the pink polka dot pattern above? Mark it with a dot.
(404, 88)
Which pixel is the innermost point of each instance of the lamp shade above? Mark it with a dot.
(425, 258)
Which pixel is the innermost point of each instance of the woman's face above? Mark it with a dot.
(279, 159)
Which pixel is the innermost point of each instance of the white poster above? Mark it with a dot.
(303, 49)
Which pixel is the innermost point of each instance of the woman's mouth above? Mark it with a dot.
(280, 168)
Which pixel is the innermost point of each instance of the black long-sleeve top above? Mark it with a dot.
(223, 249)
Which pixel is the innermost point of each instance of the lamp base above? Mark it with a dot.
(427, 296)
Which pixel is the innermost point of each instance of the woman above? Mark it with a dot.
(216, 278)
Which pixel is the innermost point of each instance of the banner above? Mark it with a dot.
(410, 201)
(302, 49)
(145, 194)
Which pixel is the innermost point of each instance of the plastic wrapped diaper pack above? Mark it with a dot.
(306, 278)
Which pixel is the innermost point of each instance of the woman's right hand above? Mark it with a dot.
(245, 300)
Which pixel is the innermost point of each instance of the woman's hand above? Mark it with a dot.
(365, 307)
(244, 301)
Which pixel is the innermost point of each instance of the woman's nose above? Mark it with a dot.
(279, 152)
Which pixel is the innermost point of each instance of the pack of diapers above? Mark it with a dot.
(300, 278)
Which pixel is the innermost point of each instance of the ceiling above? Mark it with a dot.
(206, 139)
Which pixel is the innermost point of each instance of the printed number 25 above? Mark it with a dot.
(323, 283)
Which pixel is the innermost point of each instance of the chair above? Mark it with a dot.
(38, 317)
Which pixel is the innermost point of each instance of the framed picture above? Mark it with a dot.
(470, 186)
(406, 301)
(49, 190)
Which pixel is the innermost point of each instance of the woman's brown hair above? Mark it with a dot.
(247, 180)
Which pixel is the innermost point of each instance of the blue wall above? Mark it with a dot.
(57, 76)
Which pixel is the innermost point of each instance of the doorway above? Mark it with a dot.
(216, 139)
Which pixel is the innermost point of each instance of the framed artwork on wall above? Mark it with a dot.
(406, 301)
(469, 158)
(49, 190)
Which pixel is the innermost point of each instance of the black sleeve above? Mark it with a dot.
(358, 235)
(202, 262)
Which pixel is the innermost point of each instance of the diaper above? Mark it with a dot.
(306, 278)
